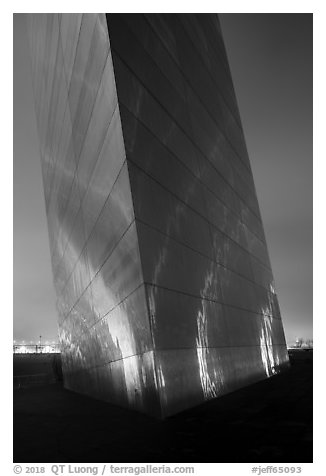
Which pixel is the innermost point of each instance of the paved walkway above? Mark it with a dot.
(270, 421)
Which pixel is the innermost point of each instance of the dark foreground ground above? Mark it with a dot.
(270, 421)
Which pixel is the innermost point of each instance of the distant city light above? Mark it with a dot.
(33, 348)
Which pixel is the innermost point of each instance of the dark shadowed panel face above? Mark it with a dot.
(213, 309)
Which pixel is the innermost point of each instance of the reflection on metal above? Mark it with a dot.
(164, 289)
(210, 384)
(271, 363)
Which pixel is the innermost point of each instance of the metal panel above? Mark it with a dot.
(164, 286)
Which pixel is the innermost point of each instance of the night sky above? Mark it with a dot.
(270, 57)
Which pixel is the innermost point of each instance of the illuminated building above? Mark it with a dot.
(164, 286)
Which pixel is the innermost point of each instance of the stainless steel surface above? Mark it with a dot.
(164, 286)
